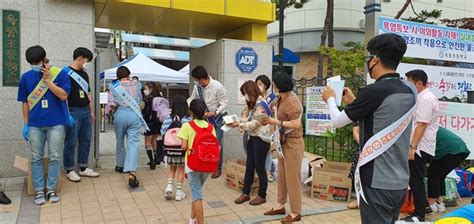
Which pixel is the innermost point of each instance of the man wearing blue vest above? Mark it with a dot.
(43, 91)
(82, 110)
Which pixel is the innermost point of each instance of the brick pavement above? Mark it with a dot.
(108, 199)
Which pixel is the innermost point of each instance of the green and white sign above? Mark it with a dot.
(11, 47)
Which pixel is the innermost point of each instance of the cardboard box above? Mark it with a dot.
(343, 167)
(25, 165)
(330, 182)
(314, 161)
(235, 172)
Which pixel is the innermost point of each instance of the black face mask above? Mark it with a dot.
(370, 68)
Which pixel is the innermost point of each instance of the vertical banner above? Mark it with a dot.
(318, 120)
(11, 47)
(459, 118)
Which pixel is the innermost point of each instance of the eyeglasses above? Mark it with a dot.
(369, 57)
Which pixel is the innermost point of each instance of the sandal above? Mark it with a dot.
(132, 180)
(119, 169)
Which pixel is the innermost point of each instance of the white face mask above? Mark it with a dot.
(86, 66)
(146, 92)
(37, 68)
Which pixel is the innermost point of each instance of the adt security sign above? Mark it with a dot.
(246, 60)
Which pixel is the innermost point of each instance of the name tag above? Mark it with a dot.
(82, 94)
(44, 104)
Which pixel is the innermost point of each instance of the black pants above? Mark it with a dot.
(417, 185)
(257, 151)
(439, 169)
(383, 205)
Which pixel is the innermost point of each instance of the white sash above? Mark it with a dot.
(120, 91)
(79, 80)
(378, 144)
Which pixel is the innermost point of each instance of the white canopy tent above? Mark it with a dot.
(148, 70)
(185, 70)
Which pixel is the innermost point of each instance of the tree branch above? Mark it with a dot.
(413, 8)
(402, 10)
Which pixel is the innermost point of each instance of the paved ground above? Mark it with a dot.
(108, 199)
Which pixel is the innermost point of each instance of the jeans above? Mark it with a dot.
(220, 137)
(81, 131)
(127, 124)
(257, 151)
(55, 138)
(196, 181)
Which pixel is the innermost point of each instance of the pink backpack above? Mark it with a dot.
(162, 108)
(171, 142)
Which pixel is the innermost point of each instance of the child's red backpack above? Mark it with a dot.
(205, 153)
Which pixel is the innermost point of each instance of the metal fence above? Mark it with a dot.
(342, 146)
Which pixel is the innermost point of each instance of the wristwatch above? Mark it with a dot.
(412, 147)
(281, 123)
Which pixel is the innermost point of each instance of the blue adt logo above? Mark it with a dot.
(246, 60)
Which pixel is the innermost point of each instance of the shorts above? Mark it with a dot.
(196, 181)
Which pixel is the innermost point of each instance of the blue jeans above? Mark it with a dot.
(196, 181)
(220, 137)
(55, 138)
(127, 124)
(81, 131)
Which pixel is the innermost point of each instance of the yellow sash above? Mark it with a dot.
(41, 88)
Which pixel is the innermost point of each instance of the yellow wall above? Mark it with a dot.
(235, 19)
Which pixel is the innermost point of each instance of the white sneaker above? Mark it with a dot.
(88, 173)
(440, 207)
(434, 207)
(72, 176)
(169, 191)
(270, 178)
(39, 198)
(52, 197)
(192, 221)
(180, 195)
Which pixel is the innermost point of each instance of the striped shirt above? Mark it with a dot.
(167, 122)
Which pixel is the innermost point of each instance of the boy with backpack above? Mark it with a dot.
(202, 155)
(172, 146)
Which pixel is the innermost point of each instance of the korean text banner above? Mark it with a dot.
(431, 41)
(444, 81)
(459, 118)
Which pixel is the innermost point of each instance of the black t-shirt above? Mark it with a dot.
(78, 97)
